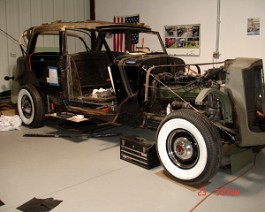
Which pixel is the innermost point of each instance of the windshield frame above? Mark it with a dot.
(104, 32)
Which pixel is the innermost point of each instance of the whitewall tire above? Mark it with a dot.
(189, 146)
(30, 106)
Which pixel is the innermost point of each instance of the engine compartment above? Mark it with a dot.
(180, 89)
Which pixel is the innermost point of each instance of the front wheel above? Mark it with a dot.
(189, 147)
(30, 106)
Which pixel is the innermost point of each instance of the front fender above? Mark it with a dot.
(224, 99)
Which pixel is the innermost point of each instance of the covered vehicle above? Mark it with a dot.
(121, 74)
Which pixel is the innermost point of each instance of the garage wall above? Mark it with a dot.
(18, 15)
(234, 41)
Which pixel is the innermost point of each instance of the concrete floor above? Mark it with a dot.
(88, 175)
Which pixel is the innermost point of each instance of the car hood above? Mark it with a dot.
(147, 60)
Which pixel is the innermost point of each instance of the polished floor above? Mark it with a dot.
(88, 176)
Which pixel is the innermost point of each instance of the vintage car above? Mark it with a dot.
(121, 74)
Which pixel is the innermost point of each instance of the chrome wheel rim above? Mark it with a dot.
(182, 149)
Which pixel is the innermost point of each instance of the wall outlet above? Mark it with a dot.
(216, 55)
(13, 54)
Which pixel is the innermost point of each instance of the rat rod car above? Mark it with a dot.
(122, 74)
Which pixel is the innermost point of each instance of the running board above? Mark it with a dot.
(68, 116)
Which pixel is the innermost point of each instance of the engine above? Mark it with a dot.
(180, 89)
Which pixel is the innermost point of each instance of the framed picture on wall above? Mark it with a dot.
(183, 39)
(253, 27)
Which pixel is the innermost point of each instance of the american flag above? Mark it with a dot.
(133, 20)
(118, 38)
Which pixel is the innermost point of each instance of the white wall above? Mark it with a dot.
(234, 41)
(18, 15)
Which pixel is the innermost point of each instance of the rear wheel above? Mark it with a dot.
(30, 106)
(189, 147)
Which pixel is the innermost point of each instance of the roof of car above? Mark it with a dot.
(87, 24)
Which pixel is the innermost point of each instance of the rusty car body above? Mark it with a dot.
(74, 68)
